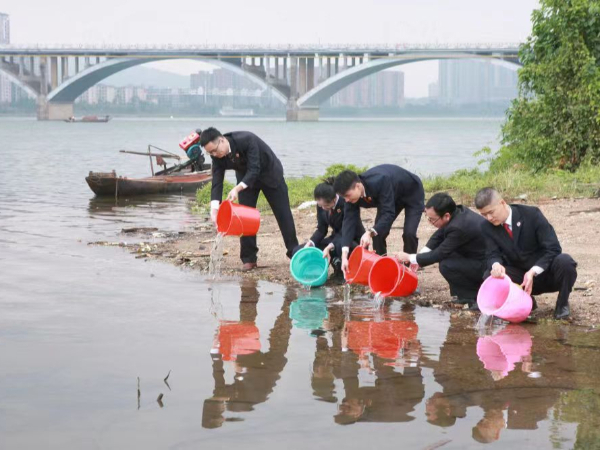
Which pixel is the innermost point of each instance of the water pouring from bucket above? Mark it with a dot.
(389, 278)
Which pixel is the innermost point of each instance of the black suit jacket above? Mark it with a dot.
(462, 235)
(534, 241)
(253, 162)
(388, 188)
(333, 219)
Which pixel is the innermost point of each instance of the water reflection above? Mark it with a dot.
(256, 372)
(310, 311)
(500, 352)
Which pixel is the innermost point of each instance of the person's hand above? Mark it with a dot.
(366, 240)
(345, 266)
(233, 194)
(213, 215)
(326, 251)
(309, 244)
(403, 257)
(498, 271)
(527, 284)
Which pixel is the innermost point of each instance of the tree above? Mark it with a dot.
(555, 121)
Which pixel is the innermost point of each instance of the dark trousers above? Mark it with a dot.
(464, 275)
(280, 204)
(412, 217)
(559, 277)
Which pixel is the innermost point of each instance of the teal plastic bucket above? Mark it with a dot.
(308, 267)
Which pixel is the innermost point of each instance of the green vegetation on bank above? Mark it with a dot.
(555, 121)
(462, 185)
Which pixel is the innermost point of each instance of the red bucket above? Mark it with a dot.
(237, 220)
(392, 279)
(359, 266)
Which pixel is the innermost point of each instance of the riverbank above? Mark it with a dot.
(573, 219)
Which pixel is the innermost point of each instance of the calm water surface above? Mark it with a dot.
(252, 365)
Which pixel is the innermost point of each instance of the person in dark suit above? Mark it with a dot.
(458, 246)
(256, 169)
(389, 188)
(523, 245)
(330, 213)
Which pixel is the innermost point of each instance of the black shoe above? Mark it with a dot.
(463, 301)
(562, 313)
(473, 306)
(533, 303)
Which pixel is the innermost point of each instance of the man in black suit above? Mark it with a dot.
(388, 188)
(458, 246)
(256, 169)
(330, 213)
(522, 244)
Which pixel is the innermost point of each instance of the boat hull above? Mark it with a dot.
(104, 184)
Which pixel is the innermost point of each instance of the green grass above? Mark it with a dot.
(462, 185)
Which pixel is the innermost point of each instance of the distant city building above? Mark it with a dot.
(4, 29)
(6, 91)
(464, 82)
(382, 89)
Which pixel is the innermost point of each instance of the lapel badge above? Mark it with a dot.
(237, 155)
(518, 224)
(369, 199)
(339, 210)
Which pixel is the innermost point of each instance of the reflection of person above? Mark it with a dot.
(458, 246)
(523, 245)
(261, 370)
(257, 170)
(330, 213)
(389, 188)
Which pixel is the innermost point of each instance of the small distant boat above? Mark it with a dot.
(102, 119)
(108, 183)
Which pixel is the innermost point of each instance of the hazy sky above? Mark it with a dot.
(273, 22)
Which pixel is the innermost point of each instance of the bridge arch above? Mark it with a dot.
(15, 80)
(72, 88)
(325, 90)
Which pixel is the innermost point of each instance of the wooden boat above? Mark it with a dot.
(108, 183)
(89, 119)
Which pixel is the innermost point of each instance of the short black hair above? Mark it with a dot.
(486, 197)
(345, 181)
(209, 135)
(441, 203)
(325, 190)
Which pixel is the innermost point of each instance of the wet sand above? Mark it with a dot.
(575, 221)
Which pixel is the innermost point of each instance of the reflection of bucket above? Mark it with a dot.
(384, 339)
(308, 312)
(502, 351)
(392, 279)
(308, 267)
(502, 298)
(359, 266)
(237, 220)
(237, 338)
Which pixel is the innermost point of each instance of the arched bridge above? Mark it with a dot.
(58, 75)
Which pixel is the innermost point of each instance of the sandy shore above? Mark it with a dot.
(576, 222)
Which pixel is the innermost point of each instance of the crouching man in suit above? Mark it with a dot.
(522, 245)
(458, 246)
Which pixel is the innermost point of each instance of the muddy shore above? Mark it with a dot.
(575, 221)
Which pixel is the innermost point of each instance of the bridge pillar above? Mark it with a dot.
(295, 114)
(53, 111)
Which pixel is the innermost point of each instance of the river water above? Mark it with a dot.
(255, 365)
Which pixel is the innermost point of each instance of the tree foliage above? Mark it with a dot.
(555, 121)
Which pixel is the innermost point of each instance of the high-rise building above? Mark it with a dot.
(474, 81)
(4, 29)
(6, 90)
(382, 89)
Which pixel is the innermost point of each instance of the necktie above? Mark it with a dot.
(508, 230)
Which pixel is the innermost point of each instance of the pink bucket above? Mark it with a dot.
(502, 298)
(500, 353)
